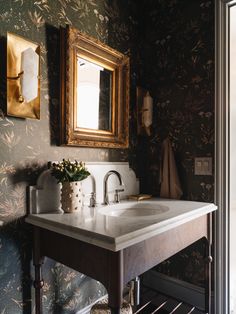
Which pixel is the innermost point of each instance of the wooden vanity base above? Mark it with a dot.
(115, 269)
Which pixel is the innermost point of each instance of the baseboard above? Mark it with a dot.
(175, 288)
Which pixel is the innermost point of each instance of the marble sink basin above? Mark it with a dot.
(134, 210)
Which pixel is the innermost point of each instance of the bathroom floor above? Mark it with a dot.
(153, 302)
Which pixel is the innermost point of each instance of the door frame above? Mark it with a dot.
(222, 238)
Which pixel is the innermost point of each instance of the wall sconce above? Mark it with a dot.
(144, 111)
(147, 113)
(23, 83)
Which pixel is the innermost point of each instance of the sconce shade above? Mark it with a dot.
(23, 77)
(30, 72)
(147, 110)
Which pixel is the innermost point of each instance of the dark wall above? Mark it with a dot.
(27, 145)
(178, 58)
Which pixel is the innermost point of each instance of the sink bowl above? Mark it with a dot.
(137, 210)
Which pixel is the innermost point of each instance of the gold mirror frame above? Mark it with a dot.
(75, 44)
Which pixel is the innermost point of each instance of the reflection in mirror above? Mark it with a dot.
(94, 108)
(94, 86)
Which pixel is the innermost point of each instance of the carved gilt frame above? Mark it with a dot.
(75, 44)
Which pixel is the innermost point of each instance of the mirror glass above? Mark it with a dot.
(94, 99)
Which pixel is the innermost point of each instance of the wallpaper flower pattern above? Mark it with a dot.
(27, 145)
(178, 58)
(171, 48)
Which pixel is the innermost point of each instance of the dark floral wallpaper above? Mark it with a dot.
(170, 43)
(178, 58)
(27, 145)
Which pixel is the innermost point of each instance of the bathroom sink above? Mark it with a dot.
(133, 210)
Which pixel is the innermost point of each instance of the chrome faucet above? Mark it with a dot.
(105, 195)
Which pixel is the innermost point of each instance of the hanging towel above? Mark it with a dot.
(170, 184)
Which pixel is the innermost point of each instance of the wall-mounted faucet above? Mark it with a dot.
(105, 183)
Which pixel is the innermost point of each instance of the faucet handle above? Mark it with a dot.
(92, 201)
(117, 195)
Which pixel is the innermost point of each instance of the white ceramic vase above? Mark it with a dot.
(71, 196)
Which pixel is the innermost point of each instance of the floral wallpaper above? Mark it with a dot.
(170, 43)
(27, 145)
(179, 41)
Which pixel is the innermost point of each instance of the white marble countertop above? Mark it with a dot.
(93, 225)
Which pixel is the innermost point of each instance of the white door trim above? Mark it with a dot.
(222, 155)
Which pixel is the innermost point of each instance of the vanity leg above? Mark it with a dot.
(38, 285)
(115, 285)
(38, 281)
(208, 262)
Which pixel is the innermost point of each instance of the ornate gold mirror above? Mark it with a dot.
(94, 92)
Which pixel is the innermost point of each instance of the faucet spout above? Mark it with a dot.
(105, 182)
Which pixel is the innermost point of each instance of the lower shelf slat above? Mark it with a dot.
(156, 303)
